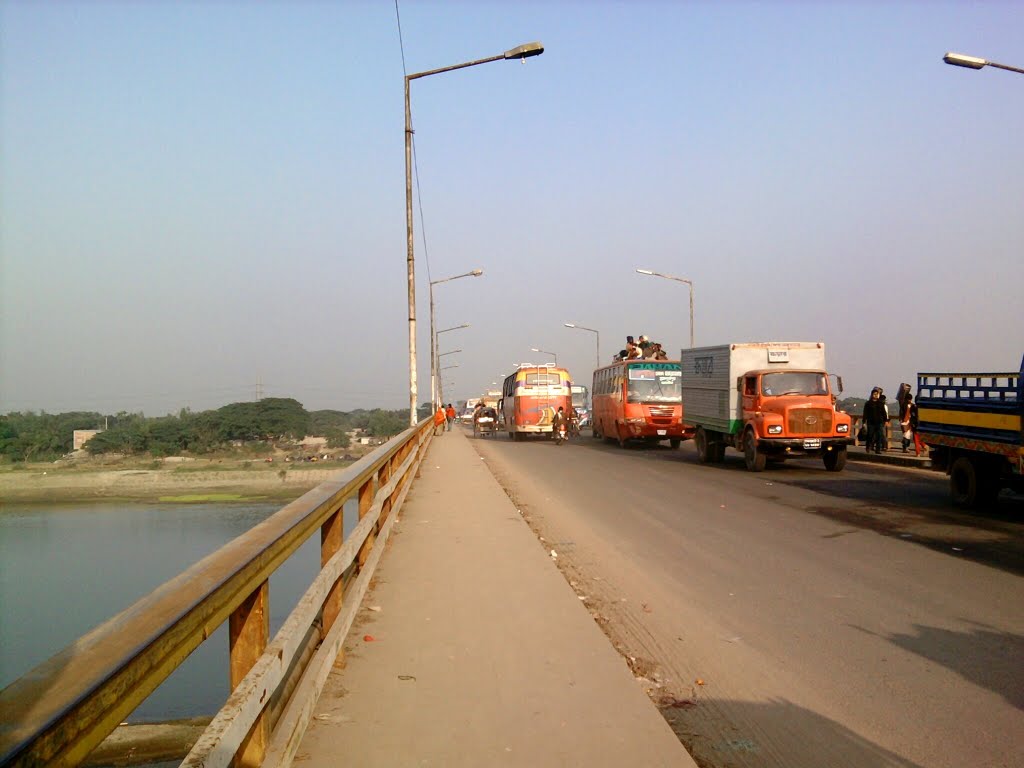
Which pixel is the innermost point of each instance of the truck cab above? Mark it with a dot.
(792, 412)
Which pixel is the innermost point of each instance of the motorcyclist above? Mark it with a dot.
(574, 422)
(559, 421)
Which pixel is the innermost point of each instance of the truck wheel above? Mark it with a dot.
(755, 459)
(835, 460)
(963, 482)
(704, 454)
(674, 442)
(972, 484)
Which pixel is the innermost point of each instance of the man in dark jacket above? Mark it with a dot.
(875, 417)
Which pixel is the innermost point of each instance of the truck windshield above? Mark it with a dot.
(654, 383)
(794, 383)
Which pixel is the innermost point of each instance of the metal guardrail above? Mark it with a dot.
(60, 711)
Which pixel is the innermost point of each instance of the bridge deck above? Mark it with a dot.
(481, 653)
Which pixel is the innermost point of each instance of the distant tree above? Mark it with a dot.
(42, 436)
(321, 421)
(387, 423)
(337, 437)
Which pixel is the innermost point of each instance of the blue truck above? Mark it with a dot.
(973, 424)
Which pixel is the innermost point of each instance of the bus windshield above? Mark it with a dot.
(654, 383)
(579, 396)
(794, 383)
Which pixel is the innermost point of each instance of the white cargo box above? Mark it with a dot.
(710, 397)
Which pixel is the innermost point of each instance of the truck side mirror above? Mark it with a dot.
(839, 382)
(739, 384)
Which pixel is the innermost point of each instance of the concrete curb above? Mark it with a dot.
(898, 459)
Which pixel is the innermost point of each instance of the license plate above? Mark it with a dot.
(484, 420)
(812, 442)
(662, 431)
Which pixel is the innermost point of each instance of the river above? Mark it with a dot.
(66, 569)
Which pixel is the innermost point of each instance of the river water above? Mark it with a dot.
(65, 569)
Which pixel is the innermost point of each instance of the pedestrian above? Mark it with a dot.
(908, 423)
(875, 418)
(450, 414)
(439, 420)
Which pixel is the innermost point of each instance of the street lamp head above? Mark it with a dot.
(960, 60)
(534, 349)
(525, 51)
(476, 272)
(645, 271)
(570, 325)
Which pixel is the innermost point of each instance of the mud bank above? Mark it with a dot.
(31, 486)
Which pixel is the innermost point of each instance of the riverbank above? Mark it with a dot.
(164, 484)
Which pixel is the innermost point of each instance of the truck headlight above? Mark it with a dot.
(842, 428)
(774, 429)
(635, 421)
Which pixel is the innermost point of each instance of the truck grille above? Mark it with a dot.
(810, 421)
(661, 410)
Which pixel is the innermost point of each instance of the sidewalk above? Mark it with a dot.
(481, 654)
(894, 455)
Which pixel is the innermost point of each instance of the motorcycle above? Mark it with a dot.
(561, 433)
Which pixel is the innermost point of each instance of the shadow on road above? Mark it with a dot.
(790, 735)
(982, 655)
(993, 539)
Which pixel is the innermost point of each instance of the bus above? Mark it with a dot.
(531, 396)
(581, 402)
(639, 400)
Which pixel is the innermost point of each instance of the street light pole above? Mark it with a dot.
(521, 52)
(433, 336)
(593, 331)
(679, 280)
(544, 351)
(437, 358)
(973, 62)
(441, 381)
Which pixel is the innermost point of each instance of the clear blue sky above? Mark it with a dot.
(198, 196)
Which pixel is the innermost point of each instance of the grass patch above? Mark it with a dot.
(205, 497)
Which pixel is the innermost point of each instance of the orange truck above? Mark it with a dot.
(769, 400)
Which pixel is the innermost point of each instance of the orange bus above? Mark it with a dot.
(530, 397)
(639, 400)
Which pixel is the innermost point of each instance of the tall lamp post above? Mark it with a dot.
(593, 331)
(973, 62)
(545, 352)
(433, 337)
(437, 376)
(678, 280)
(441, 382)
(521, 52)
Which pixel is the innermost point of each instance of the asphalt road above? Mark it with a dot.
(795, 617)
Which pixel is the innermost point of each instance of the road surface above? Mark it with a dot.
(795, 617)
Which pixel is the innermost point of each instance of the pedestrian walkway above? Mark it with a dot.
(472, 650)
(894, 455)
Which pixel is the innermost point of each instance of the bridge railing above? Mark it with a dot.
(60, 711)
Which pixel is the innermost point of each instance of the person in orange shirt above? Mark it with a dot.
(439, 420)
(450, 413)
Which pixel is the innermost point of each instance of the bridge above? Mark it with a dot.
(532, 604)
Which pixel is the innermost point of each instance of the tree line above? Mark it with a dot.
(44, 437)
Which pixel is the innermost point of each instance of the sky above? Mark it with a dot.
(202, 202)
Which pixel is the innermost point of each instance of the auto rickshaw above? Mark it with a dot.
(485, 422)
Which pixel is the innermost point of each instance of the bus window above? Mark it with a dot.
(651, 385)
